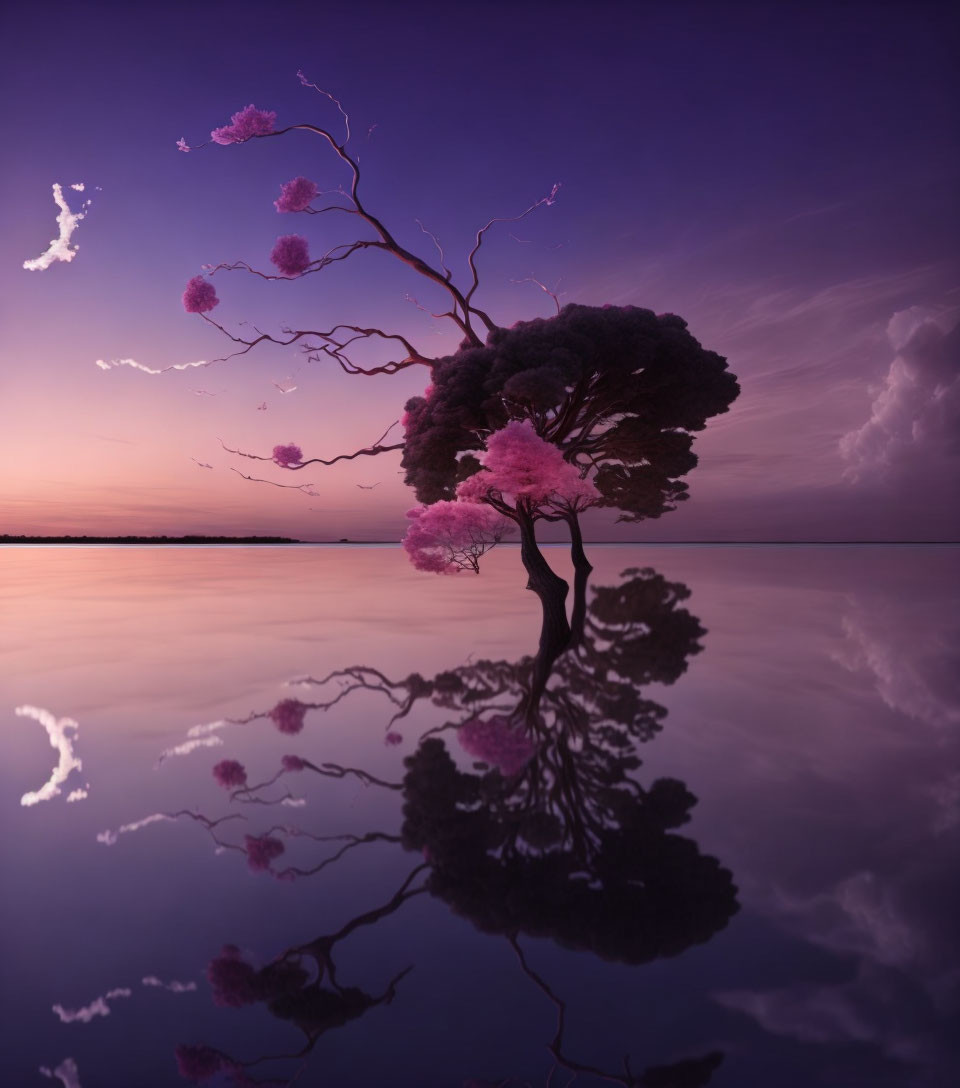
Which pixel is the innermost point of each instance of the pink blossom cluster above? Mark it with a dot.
(296, 195)
(285, 456)
(291, 254)
(245, 124)
(230, 774)
(199, 296)
(392, 739)
(201, 1062)
(288, 715)
(233, 980)
(519, 464)
(495, 741)
(293, 763)
(448, 537)
(261, 850)
(236, 983)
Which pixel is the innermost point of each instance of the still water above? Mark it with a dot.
(714, 842)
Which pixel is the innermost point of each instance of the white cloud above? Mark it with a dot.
(109, 365)
(62, 733)
(914, 425)
(59, 248)
(77, 795)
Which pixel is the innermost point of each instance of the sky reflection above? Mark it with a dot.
(811, 745)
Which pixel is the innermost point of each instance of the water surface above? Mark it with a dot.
(779, 910)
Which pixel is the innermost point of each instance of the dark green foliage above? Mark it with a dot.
(617, 388)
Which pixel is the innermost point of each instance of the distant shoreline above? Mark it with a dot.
(148, 540)
(253, 541)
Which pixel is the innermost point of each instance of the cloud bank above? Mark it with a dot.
(914, 424)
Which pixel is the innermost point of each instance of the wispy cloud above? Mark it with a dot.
(110, 364)
(67, 220)
(62, 733)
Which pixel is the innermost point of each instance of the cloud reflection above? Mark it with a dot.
(173, 986)
(62, 733)
(66, 1072)
(109, 838)
(98, 1007)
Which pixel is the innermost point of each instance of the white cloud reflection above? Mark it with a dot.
(109, 838)
(62, 733)
(98, 1007)
(66, 1072)
(173, 986)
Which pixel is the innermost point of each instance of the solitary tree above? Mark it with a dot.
(616, 392)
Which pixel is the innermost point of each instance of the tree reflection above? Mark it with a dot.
(300, 986)
(538, 826)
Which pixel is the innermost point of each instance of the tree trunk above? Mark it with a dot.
(581, 569)
(552, 591)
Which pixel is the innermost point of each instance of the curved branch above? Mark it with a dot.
(471, 259)
(367, 451)
(371, 451)
(387, 241)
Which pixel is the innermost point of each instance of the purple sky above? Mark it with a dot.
(782, 176)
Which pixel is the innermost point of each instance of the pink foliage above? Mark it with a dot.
(291, 254)
(448, 537)
(201, 1062)
(393, 738)
(230, 774)
(286, 456)
(288, 715)
(200, 296)
(495, 741)
(296, 195)
(293, 763)
(232, 979)
(520, 465)
(261, 850)
(245, 124)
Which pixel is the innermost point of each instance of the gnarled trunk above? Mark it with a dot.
(552, 591)
(581, 573)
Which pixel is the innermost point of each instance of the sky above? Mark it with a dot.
(782, 176)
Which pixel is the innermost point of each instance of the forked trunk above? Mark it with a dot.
(552, 591)
(581, 573)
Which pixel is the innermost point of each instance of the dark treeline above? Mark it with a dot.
(4, 539)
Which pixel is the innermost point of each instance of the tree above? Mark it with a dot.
(617, 391)
(448, 537)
